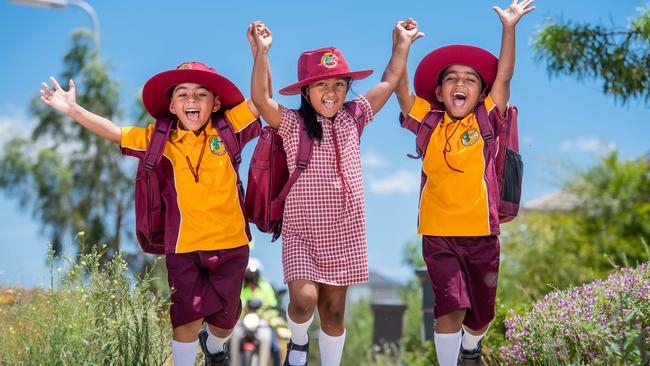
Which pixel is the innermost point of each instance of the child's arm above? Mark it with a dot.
(404, 34)
(509, 17)
(404, 95)
(66, 102)
(251, 40)
(260, 39)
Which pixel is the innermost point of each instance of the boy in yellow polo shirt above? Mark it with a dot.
(207, 236)
(458, 215)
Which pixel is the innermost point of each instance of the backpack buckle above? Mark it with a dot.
(149, 165)
(301, 164)
(487, 136)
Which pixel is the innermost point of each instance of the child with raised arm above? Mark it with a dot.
(457, 215)
(323, 231)
(206, 238)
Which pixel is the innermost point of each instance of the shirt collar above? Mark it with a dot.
(178, 134)
(465, 121)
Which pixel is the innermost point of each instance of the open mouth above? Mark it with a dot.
(459, 99)
(329, 104)
(192, 114)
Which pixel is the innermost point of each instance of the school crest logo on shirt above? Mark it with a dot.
(329, 60)
(469, 138)
(216, 146)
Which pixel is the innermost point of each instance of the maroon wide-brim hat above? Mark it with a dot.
(428, 71)
(155, 94)
(324, 63)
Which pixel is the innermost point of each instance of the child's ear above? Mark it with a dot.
(439, 94)
(217, 104)
(171, 107)
(484, 94)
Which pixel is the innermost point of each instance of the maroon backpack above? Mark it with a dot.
(150, 209)
(502, 144)
(269, 181)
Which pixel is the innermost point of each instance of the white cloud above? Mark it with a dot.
(18, 124)
(402, 182)
(588, 144)
(372, 159)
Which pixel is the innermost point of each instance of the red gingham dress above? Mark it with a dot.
(324, 223)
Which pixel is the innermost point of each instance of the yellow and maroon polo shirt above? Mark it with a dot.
(455, 203)
(210, 216)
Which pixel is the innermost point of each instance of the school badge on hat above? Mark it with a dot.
(329, 60)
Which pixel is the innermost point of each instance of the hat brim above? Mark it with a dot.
(428, 72)
(155, 91)
(296, 87)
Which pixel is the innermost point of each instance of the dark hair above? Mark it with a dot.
(309, 115)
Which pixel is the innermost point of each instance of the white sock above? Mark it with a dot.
(447, 347)
(331, 348)
(214, 343)
(300, 337)
(470, 342)
(184, 354)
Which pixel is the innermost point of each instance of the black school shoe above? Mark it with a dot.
(296, 347)
(470, 358)
(213, 359)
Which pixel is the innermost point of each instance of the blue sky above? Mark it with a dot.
(561, 122)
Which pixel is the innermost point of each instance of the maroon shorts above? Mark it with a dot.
(207, 285)
(464, 273)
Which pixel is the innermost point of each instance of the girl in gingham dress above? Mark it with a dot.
(323, 233)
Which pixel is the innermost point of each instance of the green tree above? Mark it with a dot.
(73, 180)
(607, 228)
(620, 57)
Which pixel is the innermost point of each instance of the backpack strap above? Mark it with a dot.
(357, 114)
(500, 136)
(486, 128)
(425, 130)
(303, 155)
(229, 139)
(157, 143)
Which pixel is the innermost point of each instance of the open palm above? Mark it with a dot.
(58, 98)
(511, 15)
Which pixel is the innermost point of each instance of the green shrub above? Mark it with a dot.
(606, 322)
(91, 315)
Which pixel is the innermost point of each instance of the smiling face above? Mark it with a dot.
(193, 104)
(328, 95)
(460, 90)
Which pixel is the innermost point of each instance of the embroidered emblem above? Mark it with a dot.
(185, 66)
(216, 146)
(469, 138)
(329, 60)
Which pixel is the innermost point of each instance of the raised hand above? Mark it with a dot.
(406, 30)
(58, 98)
(259, 36)
(511, 15)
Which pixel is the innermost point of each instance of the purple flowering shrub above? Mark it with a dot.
(606, 322)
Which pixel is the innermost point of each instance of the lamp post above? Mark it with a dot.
(60, 4)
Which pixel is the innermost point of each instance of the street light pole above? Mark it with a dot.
(60, 4)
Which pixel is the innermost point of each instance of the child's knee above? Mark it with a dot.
(450, 322)
(304, 303)
(332, 312)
